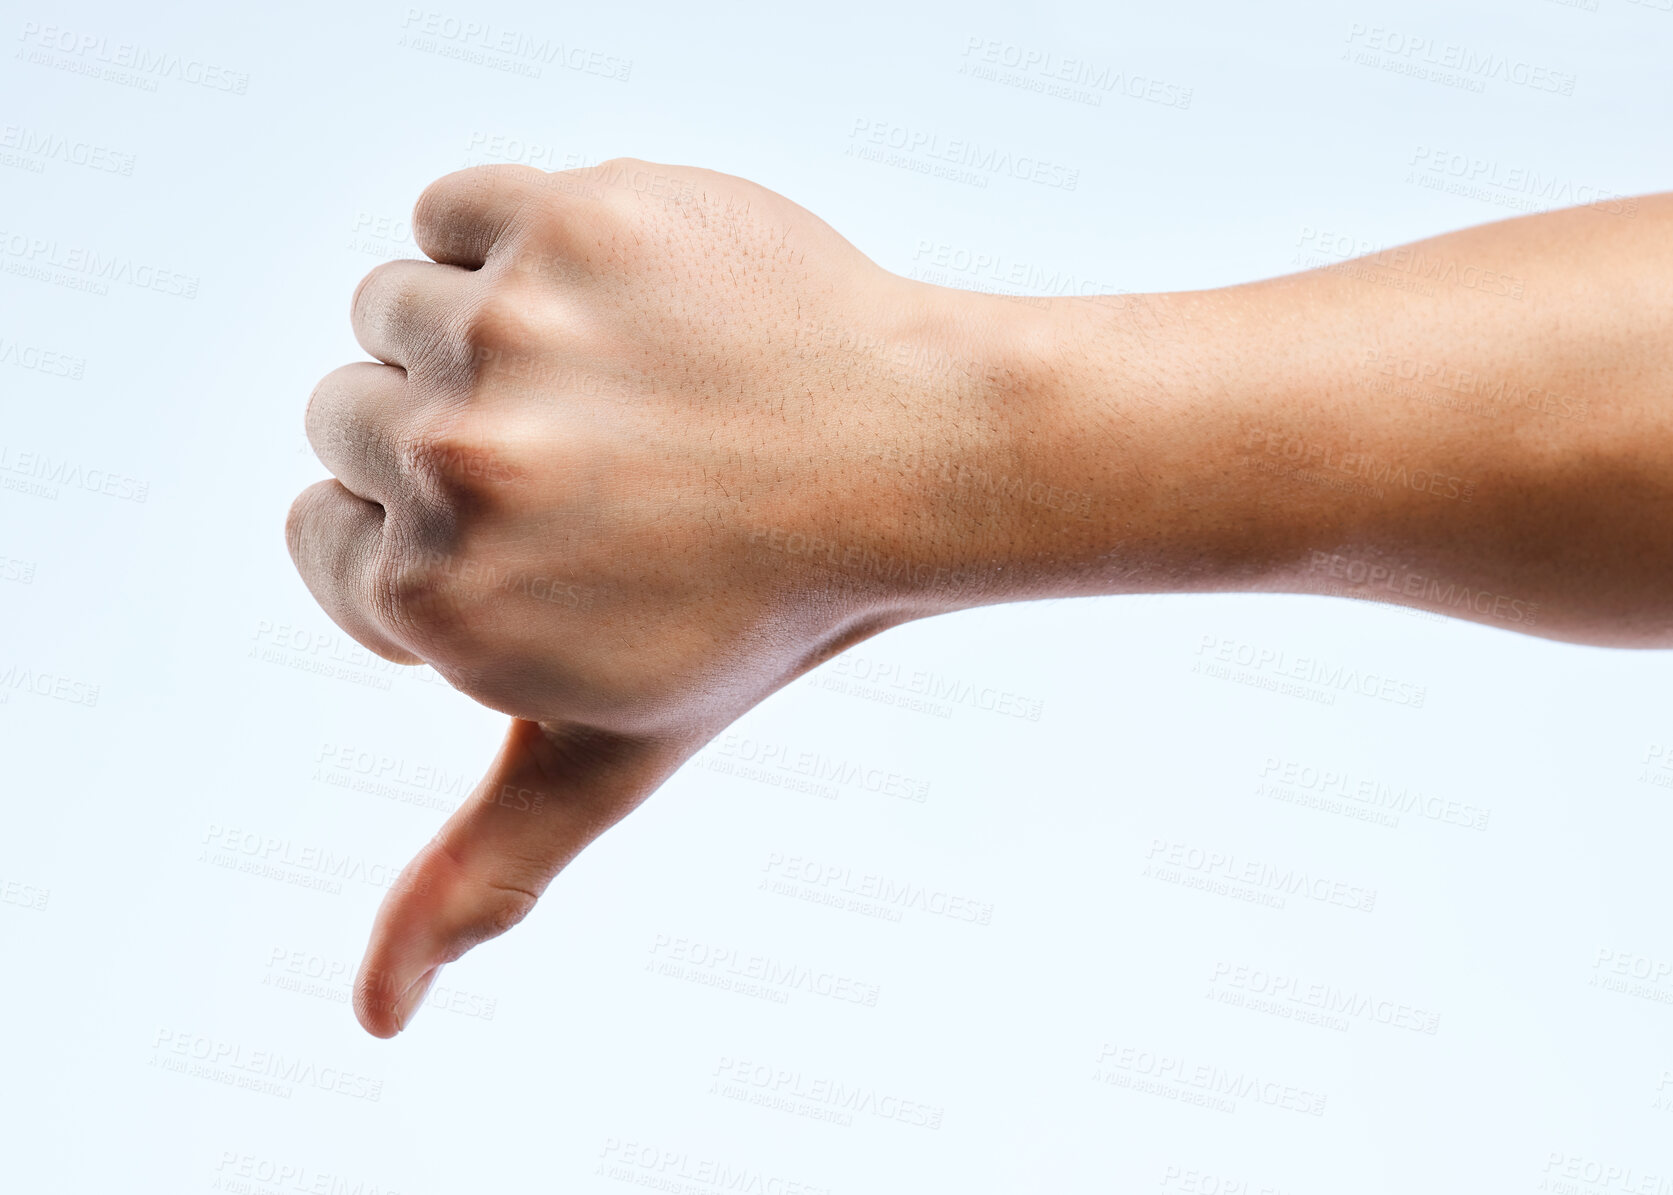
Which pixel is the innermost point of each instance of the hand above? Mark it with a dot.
(645, 445)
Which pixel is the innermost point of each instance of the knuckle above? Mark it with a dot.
(510, 174)
(298, 520)
(490, 901)
(365, 292)
(458, 465)
(621, 180)
(498, 333)
(497, 908)
(295, 520)
(504, 907)
(317, 414)
(499, 319)
(615, 168)
(439, 205)
(436, 226)
(413, 598)
(435, 203)
(389, 290)
(427, 209)
(438, 201)
(312, 413)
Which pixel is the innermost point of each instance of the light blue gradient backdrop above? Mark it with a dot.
(161, 845)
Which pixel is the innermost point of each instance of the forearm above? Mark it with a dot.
(627, 463)
(1481, 424)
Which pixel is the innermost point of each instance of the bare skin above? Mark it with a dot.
(646, 443)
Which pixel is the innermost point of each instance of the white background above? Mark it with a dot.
(205, 783)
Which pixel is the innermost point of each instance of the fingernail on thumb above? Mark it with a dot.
(406, 1008)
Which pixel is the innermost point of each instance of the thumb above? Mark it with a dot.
(551, 790)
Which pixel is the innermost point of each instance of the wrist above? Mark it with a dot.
(966, 472)
(1112, 450)
(1049, 422)
(1061, 447)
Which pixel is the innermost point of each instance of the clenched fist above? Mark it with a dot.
(642, 445)
(647, 443)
